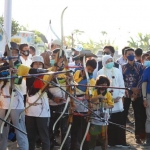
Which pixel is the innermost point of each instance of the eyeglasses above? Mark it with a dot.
(106, 53)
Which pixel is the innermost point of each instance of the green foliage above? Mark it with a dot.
(39, 36)
(15, 26)
(90, 44)
(142, 41)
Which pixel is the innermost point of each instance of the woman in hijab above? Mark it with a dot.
(116, 79)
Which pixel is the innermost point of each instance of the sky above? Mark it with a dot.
(119, 18)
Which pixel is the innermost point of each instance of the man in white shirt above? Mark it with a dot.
(122, 60)
(24, 51)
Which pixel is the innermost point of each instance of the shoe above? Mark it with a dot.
(38, 145)
(147, 143)
(138, 140)
(125, 146)
(118, 145)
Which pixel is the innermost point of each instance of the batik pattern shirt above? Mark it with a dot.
(132, 75)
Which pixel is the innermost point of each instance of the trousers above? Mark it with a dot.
(147, 125)
(38, 126)
(21, 138)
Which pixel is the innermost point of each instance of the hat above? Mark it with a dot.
(56, 42)
(148, 52)
(37, 59)
(105, 58)
(86, 53)
(13, 46)
(78, 48)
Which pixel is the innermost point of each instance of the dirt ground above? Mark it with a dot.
(129, 136)
(130, 141)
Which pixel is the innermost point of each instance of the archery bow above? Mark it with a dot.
(60, 54)
(70, 88)
(12, 87)
(89, 103)
(95, 114)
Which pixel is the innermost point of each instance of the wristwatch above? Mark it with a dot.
(144, 98)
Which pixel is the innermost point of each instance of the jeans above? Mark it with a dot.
(21, 138)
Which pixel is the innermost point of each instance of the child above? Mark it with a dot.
(79, 123)
(101, 103)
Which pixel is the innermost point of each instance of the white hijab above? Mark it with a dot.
(104, 59)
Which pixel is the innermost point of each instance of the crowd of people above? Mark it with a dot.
(102, 94)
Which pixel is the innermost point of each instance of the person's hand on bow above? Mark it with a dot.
(58, 100)
(116, 100)
(15, 71)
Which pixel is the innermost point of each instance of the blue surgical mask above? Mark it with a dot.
(147, 63)
(90, 75)
(130, 57)
(109, 65)
(52, 62)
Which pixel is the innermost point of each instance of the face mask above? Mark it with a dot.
(90, 75)
(147, 63)
(109, 65)
(103, 88)
(130, 57)
(52, 62)
(26, 53)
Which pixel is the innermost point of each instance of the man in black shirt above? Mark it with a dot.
(138, 55)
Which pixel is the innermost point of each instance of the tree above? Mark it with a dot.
(15, 26)
(40, 36)
(142, 41)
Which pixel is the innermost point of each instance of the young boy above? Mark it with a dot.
(101, 103)
(79, 123)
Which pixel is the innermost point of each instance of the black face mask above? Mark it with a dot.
(103, 88)
(26, 53)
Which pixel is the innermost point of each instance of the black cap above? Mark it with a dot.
(73, 49)
(148, 52)
(13, 46)
(57, 50)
